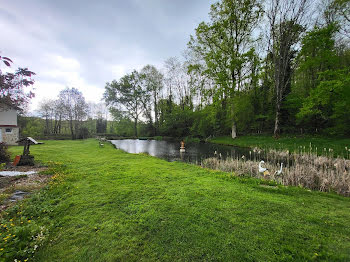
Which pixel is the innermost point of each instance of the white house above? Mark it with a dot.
(9, 131)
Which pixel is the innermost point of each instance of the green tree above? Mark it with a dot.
(329, 102)
(31, 126)
(286, 19)
(126, 95)
(101, 125)
(122, 125)
(74, 108)
(204, 122)
(338, 11)
(226, 45)
(318, 54)
(177, 123)
(152, 80)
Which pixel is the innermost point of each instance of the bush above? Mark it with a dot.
(83, 133)
(4, 154)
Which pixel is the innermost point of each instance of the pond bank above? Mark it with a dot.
(108, 205)
(305, 169)
(298, 144)
(339, 146)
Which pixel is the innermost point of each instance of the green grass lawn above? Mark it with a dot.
(290, 143)
(114, 206)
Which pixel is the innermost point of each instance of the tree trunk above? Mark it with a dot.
(276, 131)
(59, 126)
(71, 129)
(135, 127)
(156, 123)
(234, 133)
(51, 125)
(46, 126)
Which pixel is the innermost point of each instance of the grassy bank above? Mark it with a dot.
(107, 205)
(340, 146)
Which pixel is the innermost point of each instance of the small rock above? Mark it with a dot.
(18, 195)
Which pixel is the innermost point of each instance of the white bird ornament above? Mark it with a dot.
(279, 172)
(263, 170)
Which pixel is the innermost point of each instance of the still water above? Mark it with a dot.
(169, 150)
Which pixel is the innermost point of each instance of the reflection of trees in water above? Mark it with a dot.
(195, 152)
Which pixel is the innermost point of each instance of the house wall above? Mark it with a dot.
(8, 117)
(9, 138)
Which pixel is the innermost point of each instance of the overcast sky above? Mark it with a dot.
(86, 43)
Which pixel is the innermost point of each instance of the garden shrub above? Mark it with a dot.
(4, 154)
(83, 133)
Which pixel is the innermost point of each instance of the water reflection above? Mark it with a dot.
(195, 152)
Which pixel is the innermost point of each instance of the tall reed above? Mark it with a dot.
(305, 169)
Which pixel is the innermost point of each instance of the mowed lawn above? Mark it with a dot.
(115, 206)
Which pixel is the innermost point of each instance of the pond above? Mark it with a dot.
(170, 150)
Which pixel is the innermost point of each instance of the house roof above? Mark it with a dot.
(29, 139)
(7, 106)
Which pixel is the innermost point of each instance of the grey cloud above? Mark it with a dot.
(99, 34)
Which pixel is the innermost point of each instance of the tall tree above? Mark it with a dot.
(286, 19)
(74, 107)
(226, 44)
(126, 96)
(176, 81)
(47, 111)
(58, 115)
(153, 81)
(101, 126)
(338, 11)
(199, 84)
(329, 102)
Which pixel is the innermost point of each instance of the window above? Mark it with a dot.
(8, 130)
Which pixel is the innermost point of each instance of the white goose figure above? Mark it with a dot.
(278, 172)
(263, 169)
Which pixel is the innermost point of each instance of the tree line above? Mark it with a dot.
(272, 66)
(68, 114)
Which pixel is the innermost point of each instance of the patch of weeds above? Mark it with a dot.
(7, 181)
(20, 235)
(144, 154)
(25, 227)
(268, 183)
(3, 196)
